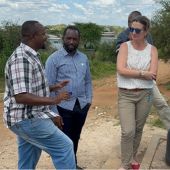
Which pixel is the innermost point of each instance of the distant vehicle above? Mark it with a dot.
(55, 42)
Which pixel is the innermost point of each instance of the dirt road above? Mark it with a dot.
(100, 139)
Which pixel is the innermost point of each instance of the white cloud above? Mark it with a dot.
(148, 2)
(109, 12)
(2, 1)
(80, 7)
(87, 11)
(58, 8)
(102, 2)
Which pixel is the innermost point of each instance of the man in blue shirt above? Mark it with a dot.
(70, 64)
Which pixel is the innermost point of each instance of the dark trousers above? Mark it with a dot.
(73, 122)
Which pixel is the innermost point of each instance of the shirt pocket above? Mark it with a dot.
(82, 68)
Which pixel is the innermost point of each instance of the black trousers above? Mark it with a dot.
(73, 122)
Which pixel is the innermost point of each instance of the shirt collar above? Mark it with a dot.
(65, 53)
(29, 49)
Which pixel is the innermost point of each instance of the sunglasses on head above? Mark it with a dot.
(137, 30)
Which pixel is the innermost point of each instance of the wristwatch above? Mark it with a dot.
(142, 73)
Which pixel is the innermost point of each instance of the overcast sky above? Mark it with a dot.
(51, 12)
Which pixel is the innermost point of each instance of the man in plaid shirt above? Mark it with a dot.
(26, 104)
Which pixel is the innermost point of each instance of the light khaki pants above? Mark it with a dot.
(162, 107)
(133, 108)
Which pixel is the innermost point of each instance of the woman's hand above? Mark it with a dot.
(148, 75)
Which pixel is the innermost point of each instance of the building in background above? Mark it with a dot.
(107, 37)
(55, 42)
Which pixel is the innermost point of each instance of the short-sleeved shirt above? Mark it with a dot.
(24, 73)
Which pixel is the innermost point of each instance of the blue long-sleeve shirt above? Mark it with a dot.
(62, 66)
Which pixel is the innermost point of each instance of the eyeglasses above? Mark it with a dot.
(137, 30)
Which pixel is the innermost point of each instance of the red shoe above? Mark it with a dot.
(135, 166)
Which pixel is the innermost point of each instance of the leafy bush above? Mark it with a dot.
(9, 40)
(160, 29)
(44, 54)
(106, 52)
(101, 69)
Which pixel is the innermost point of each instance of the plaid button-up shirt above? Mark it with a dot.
(24, 73)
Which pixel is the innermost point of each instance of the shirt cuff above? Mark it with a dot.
(53, 114)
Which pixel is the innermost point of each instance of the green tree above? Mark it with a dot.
(9, 40)
(90, 34)
(106, 52)
(161, 29)
(10, 37)
(56, 29)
